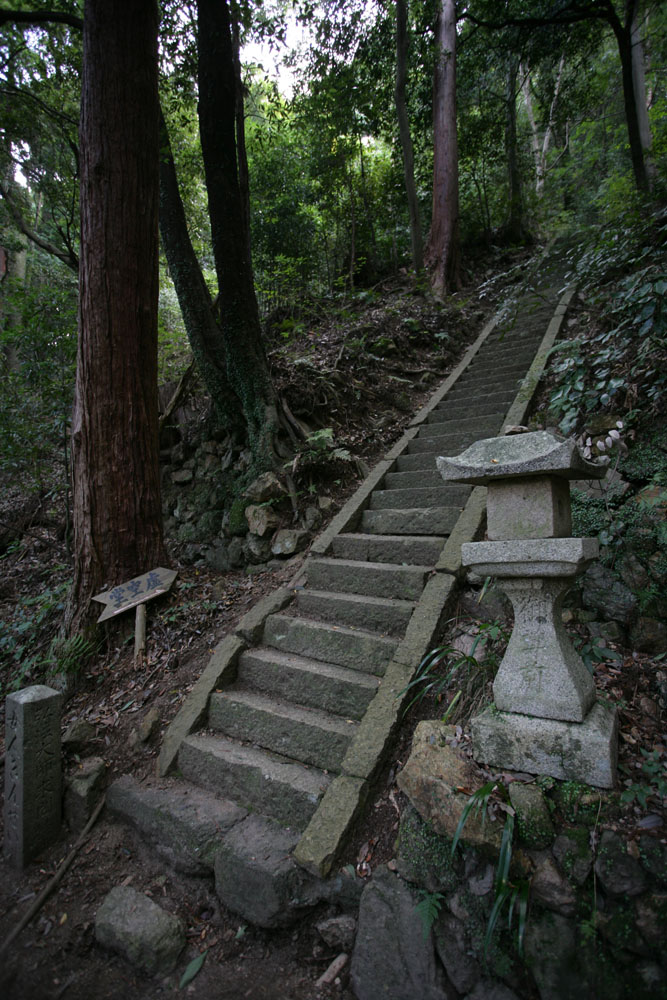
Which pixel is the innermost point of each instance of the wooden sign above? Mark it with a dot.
(138, 591)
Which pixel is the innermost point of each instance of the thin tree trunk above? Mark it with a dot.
(515, 224)
(204, 333)
(624, 40)
(247, 366)
(117, 515)
(442, 254)
(639, 86)
(405, 137)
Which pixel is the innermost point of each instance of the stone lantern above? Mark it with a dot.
(545, 718)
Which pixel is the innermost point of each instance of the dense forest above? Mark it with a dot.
(244, 246)
(413, 140)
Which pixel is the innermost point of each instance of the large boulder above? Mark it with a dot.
(393, 958)
(433, 778)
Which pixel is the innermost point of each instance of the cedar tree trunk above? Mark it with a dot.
(442, 256)
(204, 333)
(117, 514)
(247, 366)
(405, 137)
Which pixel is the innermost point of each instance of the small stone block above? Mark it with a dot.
(535, 826)
(256, 877)
(538, 507)
(33, 773)
(577, 751)
(82, 792)
(325, 834)
(148, 937)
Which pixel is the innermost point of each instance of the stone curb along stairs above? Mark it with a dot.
(280, 739)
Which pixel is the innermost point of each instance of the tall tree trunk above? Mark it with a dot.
(515, 226)
(247, 366)
(639, 87)
(405, 137)
(117, 514)
(205, 336)
(624, 39)
(541, 149)
(442, 252)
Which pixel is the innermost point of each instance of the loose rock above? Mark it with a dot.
(131, 924)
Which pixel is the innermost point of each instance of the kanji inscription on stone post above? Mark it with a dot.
(138, 591)
(33, 773)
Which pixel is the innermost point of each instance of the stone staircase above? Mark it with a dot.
(293, 719)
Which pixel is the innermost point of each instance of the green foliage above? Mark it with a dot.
(319, 453)
(28, 648)
(508, 894)
(593, 651)
(654, 771)
(192, 969)
(429, 680)
(621, 362)
(36, 390)
(428, 909)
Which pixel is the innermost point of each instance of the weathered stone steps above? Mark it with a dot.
(306, 693)
(373, 579)
(308, 682)
(286, 791)
(380, 614)
(337, 644)
(411, 520)
(424, 496)
(412, 549)
(307, 735)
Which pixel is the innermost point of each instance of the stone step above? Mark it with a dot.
(411, 520)
(497, 368)
(416, 550)
(379, 614)
(437, 443)
(427, 496)
(506, 353)
(502, 396)
(488, 382)
(330, 643)
(419, 550)
(262, 782)
(304, 681)
(487, 426)
(182, 822)
(450, 444)
(307, 735)
(410, 480)
(460, 410)
(371, 579)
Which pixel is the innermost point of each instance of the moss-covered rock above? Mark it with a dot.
(532, 814)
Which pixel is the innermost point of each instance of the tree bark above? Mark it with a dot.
(205, 336)
(515, 226)
(405, 137)
(117, 514)
(247, 366)
(442, 253)
(639, 87)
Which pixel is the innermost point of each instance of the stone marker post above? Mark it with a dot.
(33, 773)
(546, 718)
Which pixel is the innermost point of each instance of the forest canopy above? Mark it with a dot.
(414, 134)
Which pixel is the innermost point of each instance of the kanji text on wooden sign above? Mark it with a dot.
(138, 591)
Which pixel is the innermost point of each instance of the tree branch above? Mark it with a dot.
(69, 258)
(40, 17)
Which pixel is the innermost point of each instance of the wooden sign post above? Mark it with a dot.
(135, 594)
